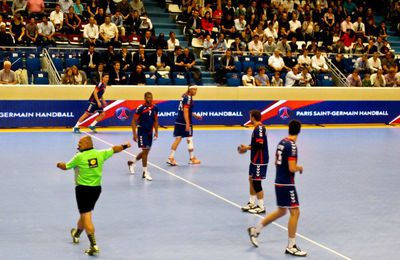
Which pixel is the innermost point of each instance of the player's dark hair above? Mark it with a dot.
(105, 74)
(294, 127)
(256, 114)
(147, 93)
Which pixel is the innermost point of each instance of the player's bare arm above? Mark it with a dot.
(187, 119)
(293, 167)
(134, 125)
(62, 166)
(119, 148)
(156, 127)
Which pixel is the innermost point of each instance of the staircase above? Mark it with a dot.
(394, 38)
(163, 22)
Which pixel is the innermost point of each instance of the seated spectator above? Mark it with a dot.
(308, 28)
(80, 77)
(295, 27)
(68, 78)
(276, 63)
(293, 77)
(138, 6)
(283, 45)
(313, 47)
(98, 74)
(379, 43)
(147, 41)
(293, 45)
(238, 47)
(177, 66)
(145, 24)
(389, 62)
(137, 77)
(31, 32)
(227, 65)
(172, 41)
(339, 62)
(359, 28)
(375, 62)
(247, 79)
(371, 30)
(220, 45)
(159, 61)
(57, 18)
(126, 59)
(91, 32)
(72, 22)
(90, 59)
(358, 47)
(383, 31)
(240, 26)
(289, 60)
(132, 23)
(307, 79)
(17, 29)
(260, 32)
(362, 64)
(318, 63)
(262, 78)
(117, 76)
(65, 5)
(35, 8)
(92, 8)
(269, 45)
(370, 48)
(391, 78)
(119, 22)
(271, 32)
(304, 60)
(109, 33)
(207, 23)
(193, 26)
(208, 46)
(348, 38)
(228, 25)
(78, 8)
(339, 47)
(124, 8)
(217, 15)
(161, 42)
(354, 79)
(100, 17)
(7, 76)
(19, 6)
(46, 32)
(366, 82)
(346, 25)
(109, 57)
(378, 79)
(189, 62)
(108, 6)
(255, 46)
(276, 80)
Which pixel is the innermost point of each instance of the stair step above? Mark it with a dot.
(153, 13)
(165, 25)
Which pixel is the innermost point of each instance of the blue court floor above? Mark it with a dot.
(348, 194)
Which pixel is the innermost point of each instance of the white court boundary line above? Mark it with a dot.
(222, 198)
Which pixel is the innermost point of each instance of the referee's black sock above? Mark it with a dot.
(92, 240)
(78, 232)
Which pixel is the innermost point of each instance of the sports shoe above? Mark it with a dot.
(93, 128)
(131, 166)
(194, 160)
(172, 162)
(248, 206)
(253, 236)
(257, 210)
(146, 175)
(75, 239)
(93, 250)
(295, 251)
(76, 130)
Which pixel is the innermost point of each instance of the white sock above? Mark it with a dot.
(252, 199)
(291, 242)
(77, 125)
(145, 169)
(171, 155)
(191, 154)
(94, 123)
(261, 203)
(259, 227)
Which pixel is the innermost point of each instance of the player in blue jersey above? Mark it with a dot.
(184, 127)
(259, 158)
(285, 190)
(96, 104)
(144, 120)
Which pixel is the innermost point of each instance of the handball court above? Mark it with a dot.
(348, 197)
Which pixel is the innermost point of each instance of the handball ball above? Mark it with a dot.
(239, 149)
(122, 113)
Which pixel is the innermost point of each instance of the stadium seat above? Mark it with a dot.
(180, 78)
(151, 79)
(247, 61)
(16, 63)
(164, 80)
(69, 62)
(260, 61)
(33, 64)
(325, 80)
(238, 66)
(58, 63)
(40, 78)
(217, 60)
(233, 79)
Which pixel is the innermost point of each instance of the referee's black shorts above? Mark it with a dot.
(86, 197)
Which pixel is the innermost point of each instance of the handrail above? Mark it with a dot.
(54, 76)
(337, 74)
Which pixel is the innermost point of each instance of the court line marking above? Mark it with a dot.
(220, 197)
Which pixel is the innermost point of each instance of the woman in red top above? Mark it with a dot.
(207, 23)
(217, 15)
(348, 38)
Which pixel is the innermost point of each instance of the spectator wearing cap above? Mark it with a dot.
(7, 76)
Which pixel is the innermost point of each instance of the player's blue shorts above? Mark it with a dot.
(93, 108)
(180, 131)
(145, 139)
(286, 196)
(258, 172)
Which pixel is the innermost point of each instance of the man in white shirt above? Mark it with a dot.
(172, 41)
(293, 77)
(46, 31)
(240, 25)
(283, 45)
(269, 45)
(304, 60)
(91, 32)
(108, 32)
(375, 62)
(270, 31)
(57, 18)
(65, 4)
(359, 28)
(7, 76)
(346, 24)
(318, 63)
(276, 63)
(294, 24)
(256, 46)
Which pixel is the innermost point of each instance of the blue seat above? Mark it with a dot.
(32, 64)
(58, 63)
(217, 60)
(180, 78)
(69, 62)
(151, 79)
(247, 62)
(325, 80)
(238, 66)
(41, 78)
(233, 79)
(260, 61)
(164, 80)
(16, 63)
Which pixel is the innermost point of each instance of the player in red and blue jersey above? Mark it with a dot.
(184, 127)
(285, 190)
(96, 104)
(144, 120)
(259, 158)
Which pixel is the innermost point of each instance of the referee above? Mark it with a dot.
(88, 166)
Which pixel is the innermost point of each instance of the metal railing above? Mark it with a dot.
(338, 77)
(48, 65)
